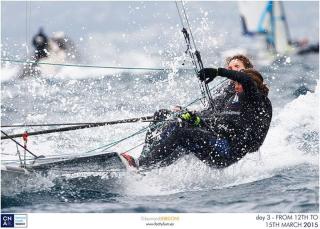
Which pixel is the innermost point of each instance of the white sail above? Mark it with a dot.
(255, 17)
(281, 36)
(266, 18)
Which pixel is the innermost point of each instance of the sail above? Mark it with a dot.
(281, 32)
(255, 17)
(266, 18)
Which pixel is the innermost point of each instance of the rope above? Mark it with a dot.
(198, 56)
(195, 57)
(108, 146)
(187, 20)
(181, 20)
(88, 171)
(27, 29)
(20, 145)
(89, 66)
(81, 125)
(91, 124)
(10, 154)
(189, 104)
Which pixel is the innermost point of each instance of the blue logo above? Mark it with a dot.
(7, 220)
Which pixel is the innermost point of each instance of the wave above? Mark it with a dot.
(292, 140)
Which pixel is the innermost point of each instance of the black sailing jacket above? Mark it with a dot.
(247, 127)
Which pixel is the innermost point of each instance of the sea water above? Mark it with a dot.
(283, 176)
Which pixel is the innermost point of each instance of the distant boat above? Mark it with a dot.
(49, 53)
(267, 19)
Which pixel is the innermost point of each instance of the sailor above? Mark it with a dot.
(227, 94)
(61, 40)
(304, 47)
(237, 62)
(312, 48)
(217, 139)
(40, 43)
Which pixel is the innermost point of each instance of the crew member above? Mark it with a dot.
(40, 43)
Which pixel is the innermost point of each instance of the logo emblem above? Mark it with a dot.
(14, 220)
(7, 220)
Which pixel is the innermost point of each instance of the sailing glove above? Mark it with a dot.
(207, 74)
(191, 118)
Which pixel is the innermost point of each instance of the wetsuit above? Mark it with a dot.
(224, 94)
(222, 138)
(40, 42)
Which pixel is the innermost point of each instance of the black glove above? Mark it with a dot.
(162, 115)
(207, 74)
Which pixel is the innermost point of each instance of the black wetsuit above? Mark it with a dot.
(40, 42)
(225, 135)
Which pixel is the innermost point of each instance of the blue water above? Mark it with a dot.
(289, 190)
(282, 177)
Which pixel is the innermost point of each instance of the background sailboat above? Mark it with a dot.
(267, 20)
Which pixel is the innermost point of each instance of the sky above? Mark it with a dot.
(124, 32)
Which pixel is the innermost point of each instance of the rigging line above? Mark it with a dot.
(197, 64)
(62, 124)
(154, 136)
(135, 147)
(132, 135)
(181, 20)
(108, 146)
(78, 127)
(10, 154)
(123, 121)
(26, 29)
(20, 145)
(89, 66)
(186, 17)
(117, 142)
(203, 98)
(183, 108)
(49, 157)
(113, 143)
(87, 171)
(187, 38)
(196, 100)
(210, 103)
(29, 27)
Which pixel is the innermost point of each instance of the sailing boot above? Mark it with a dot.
(129, 160)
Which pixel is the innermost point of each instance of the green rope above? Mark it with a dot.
(198, 99)
(108, 146)
(88, 66)
(136, 146)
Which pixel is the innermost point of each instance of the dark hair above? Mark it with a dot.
(258, 79)
(245, 60)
